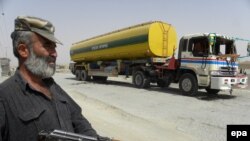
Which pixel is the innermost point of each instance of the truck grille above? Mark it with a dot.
(228, 71)
(228, 68)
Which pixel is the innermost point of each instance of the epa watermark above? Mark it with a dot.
(238, 132)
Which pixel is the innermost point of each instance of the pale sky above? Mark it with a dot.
(76, 20)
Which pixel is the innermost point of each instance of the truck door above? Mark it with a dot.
(195, 58)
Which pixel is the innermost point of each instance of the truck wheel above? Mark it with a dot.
(167, 83)
(212, 91)
(168, 79)
(78, 75)
(84, 75)
(188, 84)
(140, 80)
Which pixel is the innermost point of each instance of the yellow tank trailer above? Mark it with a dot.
(145, 52)
(152, 39)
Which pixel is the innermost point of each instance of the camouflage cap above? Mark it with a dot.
(37, 25)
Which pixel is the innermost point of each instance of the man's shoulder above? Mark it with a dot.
(8, 82)
(7, 86)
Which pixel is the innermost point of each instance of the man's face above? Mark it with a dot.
(42, 57)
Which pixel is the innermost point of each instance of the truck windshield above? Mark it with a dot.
(198, 46)
(223, 46)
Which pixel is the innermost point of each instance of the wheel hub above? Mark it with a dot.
(186, 85)
(138, 79)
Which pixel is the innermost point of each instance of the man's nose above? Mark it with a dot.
(53, 52)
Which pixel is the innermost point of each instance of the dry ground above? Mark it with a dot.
(117, 109)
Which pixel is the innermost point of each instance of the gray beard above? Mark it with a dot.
(39, 65)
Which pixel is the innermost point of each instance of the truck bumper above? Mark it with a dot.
(226, 83)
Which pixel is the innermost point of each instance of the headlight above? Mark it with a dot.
(215, 73)
(219, 73)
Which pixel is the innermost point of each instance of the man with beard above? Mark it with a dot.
(31, 101)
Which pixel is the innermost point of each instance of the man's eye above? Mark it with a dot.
(49, 45)
(46, 45)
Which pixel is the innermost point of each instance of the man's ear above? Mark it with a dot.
(23, 50)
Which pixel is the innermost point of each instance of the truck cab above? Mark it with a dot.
(211, 59)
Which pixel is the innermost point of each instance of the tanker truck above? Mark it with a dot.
(146, 52)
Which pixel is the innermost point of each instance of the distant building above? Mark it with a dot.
(5, 67)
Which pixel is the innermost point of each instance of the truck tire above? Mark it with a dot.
(166, 81)
(163, 83)
(78, 75)
(188, 84)
(84, 75)
(212, 91)
(140, 80)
